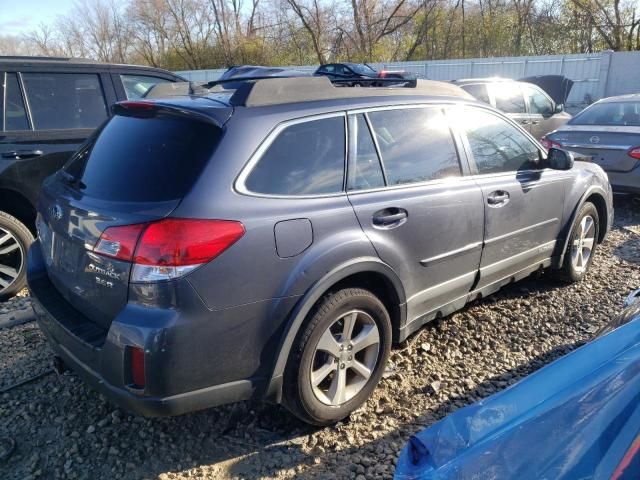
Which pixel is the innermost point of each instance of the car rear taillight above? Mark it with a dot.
(168, 248)
(119, 242)
(634, 153)
(546, 143)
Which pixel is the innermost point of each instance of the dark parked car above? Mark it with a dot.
(48, 107)
(274, 240)
(536, 103)
(581, 413)
(358, 71)
(608, 133)
(241, 73)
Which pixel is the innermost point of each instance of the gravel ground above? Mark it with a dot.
(63, 429)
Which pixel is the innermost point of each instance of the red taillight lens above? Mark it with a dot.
(634, 153)
(119, 242)
(382, 74)
(546, 143)
(168, 248)
(180, 242)
(136, 355)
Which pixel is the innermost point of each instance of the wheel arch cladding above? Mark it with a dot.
(601, 206)
(368, 273)
(18, 206)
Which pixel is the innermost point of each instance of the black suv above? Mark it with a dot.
(48, 107)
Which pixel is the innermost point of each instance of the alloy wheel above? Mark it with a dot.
(583, 243)
(11, 258)
(344, 358)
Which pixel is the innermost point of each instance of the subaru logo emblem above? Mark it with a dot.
(56, 212)
(595, 139)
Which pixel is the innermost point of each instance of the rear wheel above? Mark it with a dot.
(581, 247)
(339, 357)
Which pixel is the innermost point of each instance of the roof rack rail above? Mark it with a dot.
(42, 58)
(257, 92)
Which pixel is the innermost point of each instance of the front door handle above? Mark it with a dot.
(390, 217)
(535, 122)
(498, 198)
(524, 122)
(22, 154)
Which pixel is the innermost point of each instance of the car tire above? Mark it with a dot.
(15, 239)
(322, 388)
(581, 247)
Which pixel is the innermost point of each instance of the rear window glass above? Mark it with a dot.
(144, 159)
(509, 97)
(610, 113)
(305, 159)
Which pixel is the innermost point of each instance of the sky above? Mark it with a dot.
(23, 16)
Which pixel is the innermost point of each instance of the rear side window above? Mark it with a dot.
(509, 97)
(15, 113)
(304, 159)
(137, 86)
(365, 171)
(415, 144)
(478, 90)
(144, 159)
(65, 100)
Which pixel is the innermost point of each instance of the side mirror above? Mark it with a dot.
(560, 159)
(558, 108)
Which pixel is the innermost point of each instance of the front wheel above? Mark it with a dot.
(339, 357)
(582, 244)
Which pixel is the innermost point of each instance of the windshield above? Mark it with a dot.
(610, 113)
(362, 69)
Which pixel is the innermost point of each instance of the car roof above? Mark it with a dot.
(633, 97)
(17, 61)
(278, 91)
(482, 80)
(304, 93)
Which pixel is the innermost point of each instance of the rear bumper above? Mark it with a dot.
(192, 361)
(625, 182)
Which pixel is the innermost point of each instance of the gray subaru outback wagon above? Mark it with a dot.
(273, 241)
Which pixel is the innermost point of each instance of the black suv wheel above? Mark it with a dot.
(339, 357)
(15, 239)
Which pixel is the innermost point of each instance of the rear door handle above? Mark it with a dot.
(524, 122)
(390, 217)
(535, 122)
(498, 198)
(22, 154)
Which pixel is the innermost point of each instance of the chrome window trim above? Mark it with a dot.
(596, 146)
(239, 184)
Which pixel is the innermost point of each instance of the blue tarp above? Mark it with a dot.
(576, 418)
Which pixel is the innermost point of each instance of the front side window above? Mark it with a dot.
(65, 100)
(15, 113)
(415, 144)
(304, 159)
(538, 102)
(496, 144)
(365, 171)
(509, 97)
(137, 86)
